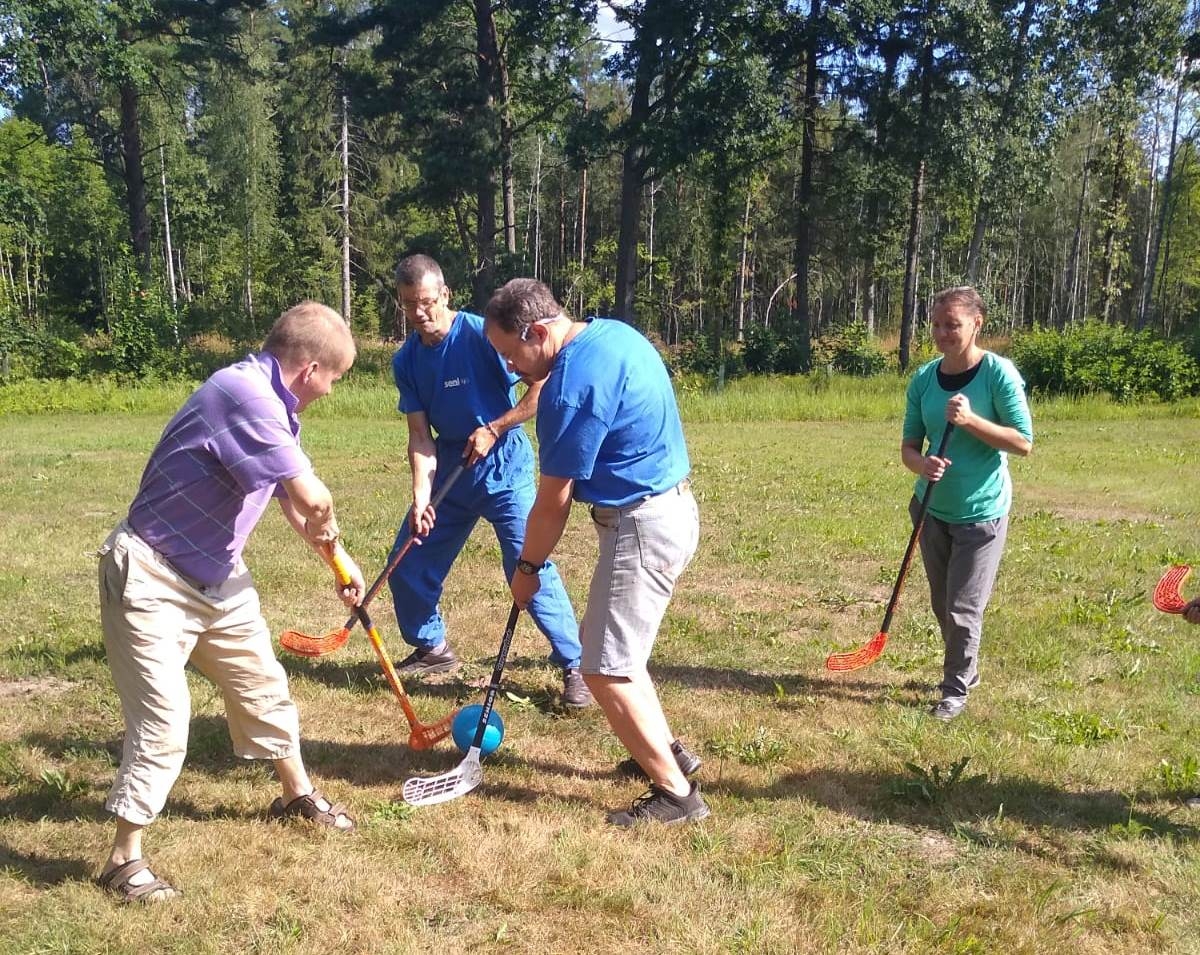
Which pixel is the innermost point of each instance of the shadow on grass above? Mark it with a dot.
(847, 688)
(364, 676)
(457, 688)
(42, 871)
(976, 809)
(41, 804)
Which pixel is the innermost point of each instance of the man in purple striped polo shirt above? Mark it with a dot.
(174, 588)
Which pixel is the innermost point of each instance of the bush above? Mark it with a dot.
(699, 356)
(57, 358)
(760, 352)
(851, 351)
(1095, 358)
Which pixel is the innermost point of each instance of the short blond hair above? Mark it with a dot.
(310, 331)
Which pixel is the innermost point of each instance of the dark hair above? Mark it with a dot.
(412, 268)
(310, 331)
(963, 296)
(520, 303)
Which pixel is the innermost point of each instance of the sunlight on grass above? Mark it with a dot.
(1047, 818)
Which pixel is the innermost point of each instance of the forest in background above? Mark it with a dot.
(760, 172)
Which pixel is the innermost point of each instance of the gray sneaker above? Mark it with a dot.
(689, 763)
(422, 661)
(658, 805)
(575, 695)
(948, 708)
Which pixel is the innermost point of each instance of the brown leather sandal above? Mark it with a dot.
(117, 882)
(308, 807)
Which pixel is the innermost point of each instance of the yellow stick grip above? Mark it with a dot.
(335, 561)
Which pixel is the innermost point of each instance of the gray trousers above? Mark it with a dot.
(961, 561)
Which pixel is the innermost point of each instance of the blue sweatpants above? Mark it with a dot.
(417, 582)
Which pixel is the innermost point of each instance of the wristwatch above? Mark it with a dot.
(526, 567)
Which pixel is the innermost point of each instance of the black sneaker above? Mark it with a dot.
(575, 695)
(658, 805)
(422, 661)
(689, 763)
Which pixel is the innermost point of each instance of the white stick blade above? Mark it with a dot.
(430, 790)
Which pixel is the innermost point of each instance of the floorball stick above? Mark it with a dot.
(428, 790)
(873, 649)
(304, 645)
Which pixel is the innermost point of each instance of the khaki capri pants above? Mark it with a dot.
(155, 622)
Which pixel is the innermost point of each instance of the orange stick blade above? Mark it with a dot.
(1166, 595)
(427, 737)
(303, 645)
(857, 659)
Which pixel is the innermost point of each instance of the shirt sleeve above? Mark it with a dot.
(569, 440)
(257, 447)
(402, 375)
(914, 423)
(1012, 406)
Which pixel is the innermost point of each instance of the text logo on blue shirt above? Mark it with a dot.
(455, 382)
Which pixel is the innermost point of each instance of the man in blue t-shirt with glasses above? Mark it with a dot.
(461, 406)
(609, 435)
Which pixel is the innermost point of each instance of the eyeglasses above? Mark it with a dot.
(426, 305)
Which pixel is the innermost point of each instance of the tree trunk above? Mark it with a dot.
(484, 278)
(801, 320)
(347, 301)
(1145, 307)
(166, 212)
(633, 178)
(1071, 279)
(135, 179)
(651, 189)
(870, 290)
(742, 269)
(536, 192)
(582, 248)
(912, 252)
(508, 185)
(1108, 291)
(561, 257)
(982, 221)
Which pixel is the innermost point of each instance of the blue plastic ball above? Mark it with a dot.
(467, 722)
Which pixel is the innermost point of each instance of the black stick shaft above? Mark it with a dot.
(915, 536)
(497, 672)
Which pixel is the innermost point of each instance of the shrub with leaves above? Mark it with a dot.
(851, 351)
(1110, 359)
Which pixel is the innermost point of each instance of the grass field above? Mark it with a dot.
(838, 825)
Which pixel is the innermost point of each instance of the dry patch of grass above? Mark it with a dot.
(839, 823)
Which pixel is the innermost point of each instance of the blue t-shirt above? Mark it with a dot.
(976, 487)
(460, 383)
(607, 418)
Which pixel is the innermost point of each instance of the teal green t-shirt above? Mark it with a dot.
(976, 487)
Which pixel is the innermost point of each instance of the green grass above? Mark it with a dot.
(1046, 819)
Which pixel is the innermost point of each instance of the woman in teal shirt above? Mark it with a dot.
(983, 396)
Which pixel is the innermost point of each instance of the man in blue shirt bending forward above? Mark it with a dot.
(609, 435)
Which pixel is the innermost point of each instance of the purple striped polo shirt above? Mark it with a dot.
(216, 467)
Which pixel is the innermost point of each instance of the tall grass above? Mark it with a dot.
(369, 394)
